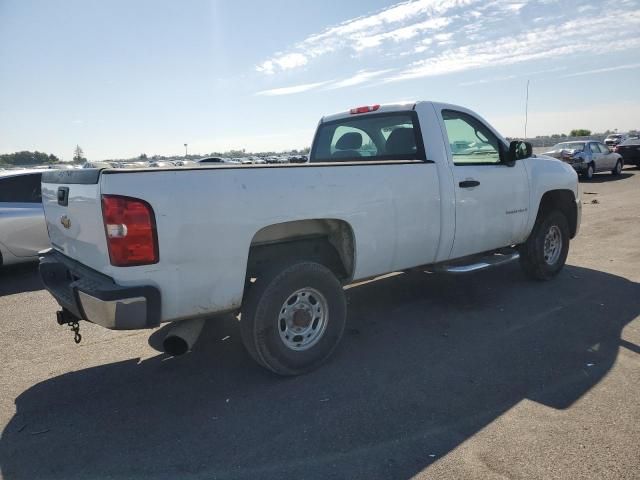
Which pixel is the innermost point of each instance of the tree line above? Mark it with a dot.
(28, 158)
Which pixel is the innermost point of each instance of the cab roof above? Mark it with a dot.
(389, 107)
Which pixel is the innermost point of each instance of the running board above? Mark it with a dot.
(483, 262)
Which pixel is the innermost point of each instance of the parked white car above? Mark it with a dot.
(383, 191)
(23, 232)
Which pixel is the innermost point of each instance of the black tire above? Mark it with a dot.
(588, 174)
(617, 169)
(532, 252)
(260, 319)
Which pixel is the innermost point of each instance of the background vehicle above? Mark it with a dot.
(184, 163)
(99, 165)
(614, 139)
(588, 157)
(23, 231)
(161, 164)
(216, 161)
(630, 151)
(282, 242)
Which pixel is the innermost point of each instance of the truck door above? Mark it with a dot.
(492, 198)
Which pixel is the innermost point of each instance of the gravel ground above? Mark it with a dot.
(481, 376)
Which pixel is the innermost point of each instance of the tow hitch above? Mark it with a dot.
(66, 317)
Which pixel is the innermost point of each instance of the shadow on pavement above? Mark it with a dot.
(19, 278)
(606, 177)
(427, 361)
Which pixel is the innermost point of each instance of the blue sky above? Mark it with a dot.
(121, 78)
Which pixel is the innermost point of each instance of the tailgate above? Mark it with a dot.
(73, 213)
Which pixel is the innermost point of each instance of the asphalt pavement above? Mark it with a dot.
(487, 375)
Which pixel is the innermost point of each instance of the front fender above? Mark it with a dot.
(548, 174)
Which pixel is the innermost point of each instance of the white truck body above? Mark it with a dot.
(381, 217)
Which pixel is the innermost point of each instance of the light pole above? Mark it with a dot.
(185, 150)
(526, 112)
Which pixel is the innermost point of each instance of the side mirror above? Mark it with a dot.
(519, 150)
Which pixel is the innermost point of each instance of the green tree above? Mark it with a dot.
(26, 158)
(580, 132)
(78, 155)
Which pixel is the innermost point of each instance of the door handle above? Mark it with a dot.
(469, 183)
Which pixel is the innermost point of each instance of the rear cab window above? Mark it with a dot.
(21, 188)
(369, 138)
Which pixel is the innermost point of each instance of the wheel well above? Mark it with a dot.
(327, 241)
(564, 201)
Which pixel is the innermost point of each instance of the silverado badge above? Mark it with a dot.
(65, 221)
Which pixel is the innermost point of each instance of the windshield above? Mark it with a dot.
(384, 136)
(569, 146)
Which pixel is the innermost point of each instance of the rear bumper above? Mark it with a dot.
(95, 297)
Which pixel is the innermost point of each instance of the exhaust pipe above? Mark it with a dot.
(182, 337)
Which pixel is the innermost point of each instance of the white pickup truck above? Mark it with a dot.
(387, 188)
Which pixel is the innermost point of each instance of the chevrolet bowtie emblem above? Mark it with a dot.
(65, 221)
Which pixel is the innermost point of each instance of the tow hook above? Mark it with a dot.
(65, 317)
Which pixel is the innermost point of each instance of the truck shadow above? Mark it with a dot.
(19, 278)
(427, 361)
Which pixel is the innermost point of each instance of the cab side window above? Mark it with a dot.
(471, 142)
(604, 148)
(594, 148)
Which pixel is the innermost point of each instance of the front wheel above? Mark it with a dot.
(544, 253)
(293, 317)
(588, 174)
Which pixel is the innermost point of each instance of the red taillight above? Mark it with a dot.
(365, 109)
(130, 226)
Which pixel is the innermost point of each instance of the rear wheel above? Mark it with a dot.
(293, 317)
(617, 169)
(544, 253)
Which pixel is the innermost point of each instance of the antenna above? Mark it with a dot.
(526, 112)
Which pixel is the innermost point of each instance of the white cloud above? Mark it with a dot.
(284, 62)
(515, 7)
(535, 44)
(359, 78)
(628, 66)
(292, 89)
(449, 36)
(401, 34)
(399, 22)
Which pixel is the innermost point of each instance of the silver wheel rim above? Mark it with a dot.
(618, 167)
(552, 245)
(589, 171)
(302, 319)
